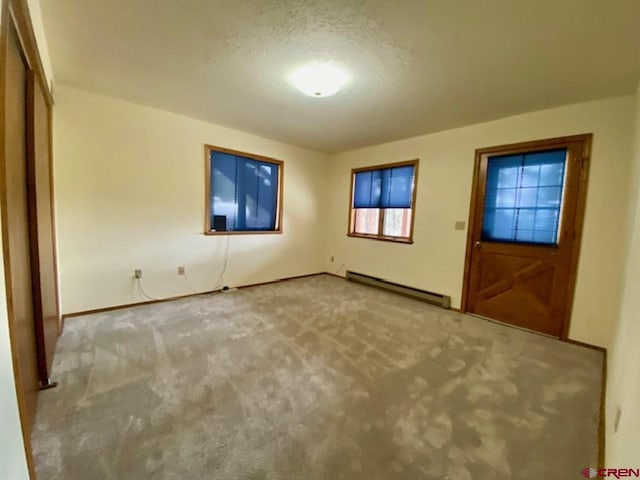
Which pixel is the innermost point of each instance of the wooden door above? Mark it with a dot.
(16, 234)
(524, 232)
(44, 268)
(28, 234)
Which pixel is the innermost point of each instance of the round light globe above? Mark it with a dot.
(319, 79)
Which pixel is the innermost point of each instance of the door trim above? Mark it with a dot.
(16, 16)
(586, 140)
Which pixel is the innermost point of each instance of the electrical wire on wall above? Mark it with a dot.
(188, 282)
(143, 291)
(344, 264)
(218, 285)
(220, 282)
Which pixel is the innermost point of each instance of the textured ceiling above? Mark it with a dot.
(417, 66)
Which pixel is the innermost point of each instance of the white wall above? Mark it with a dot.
(130, 194)
(624, 356)
(436, 260)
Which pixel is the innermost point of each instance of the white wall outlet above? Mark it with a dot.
(137, 273)
(181, 270)
(459, 225)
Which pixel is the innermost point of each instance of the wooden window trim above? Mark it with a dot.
(207, 198)
(380, 236)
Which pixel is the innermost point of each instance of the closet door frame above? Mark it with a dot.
(16, 21)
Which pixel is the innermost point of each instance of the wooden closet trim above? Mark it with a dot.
(16, 16)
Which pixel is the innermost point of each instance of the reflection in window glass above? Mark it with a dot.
(243, 193)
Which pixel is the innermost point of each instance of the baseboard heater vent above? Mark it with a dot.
(435, 298)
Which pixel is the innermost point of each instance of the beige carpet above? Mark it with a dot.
(315, 378)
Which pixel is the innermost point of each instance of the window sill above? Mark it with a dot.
(382, 238)
(248, 232)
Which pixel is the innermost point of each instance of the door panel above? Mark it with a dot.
(42, 231)
(530, 282)
(17, 240)
(516, 288)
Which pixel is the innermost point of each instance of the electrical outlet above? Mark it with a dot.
(616, 422)
(137, 273)
(459, 225)
(332, 259)
(181, 271)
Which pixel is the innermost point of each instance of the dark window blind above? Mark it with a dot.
(384, 188)
(244, 191)
(524, 196)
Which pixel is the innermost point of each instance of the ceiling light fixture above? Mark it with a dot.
(319, 79)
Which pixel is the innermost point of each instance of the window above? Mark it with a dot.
(244, 193)
(382, 202)
(524, 196)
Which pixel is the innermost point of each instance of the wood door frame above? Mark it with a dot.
(34, 171)
(586, 140)
(16, 17)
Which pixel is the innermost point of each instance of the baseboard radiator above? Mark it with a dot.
(435, 298)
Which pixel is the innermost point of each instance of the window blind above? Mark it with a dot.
(523, 197)
(244, 190)
(384, 188)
